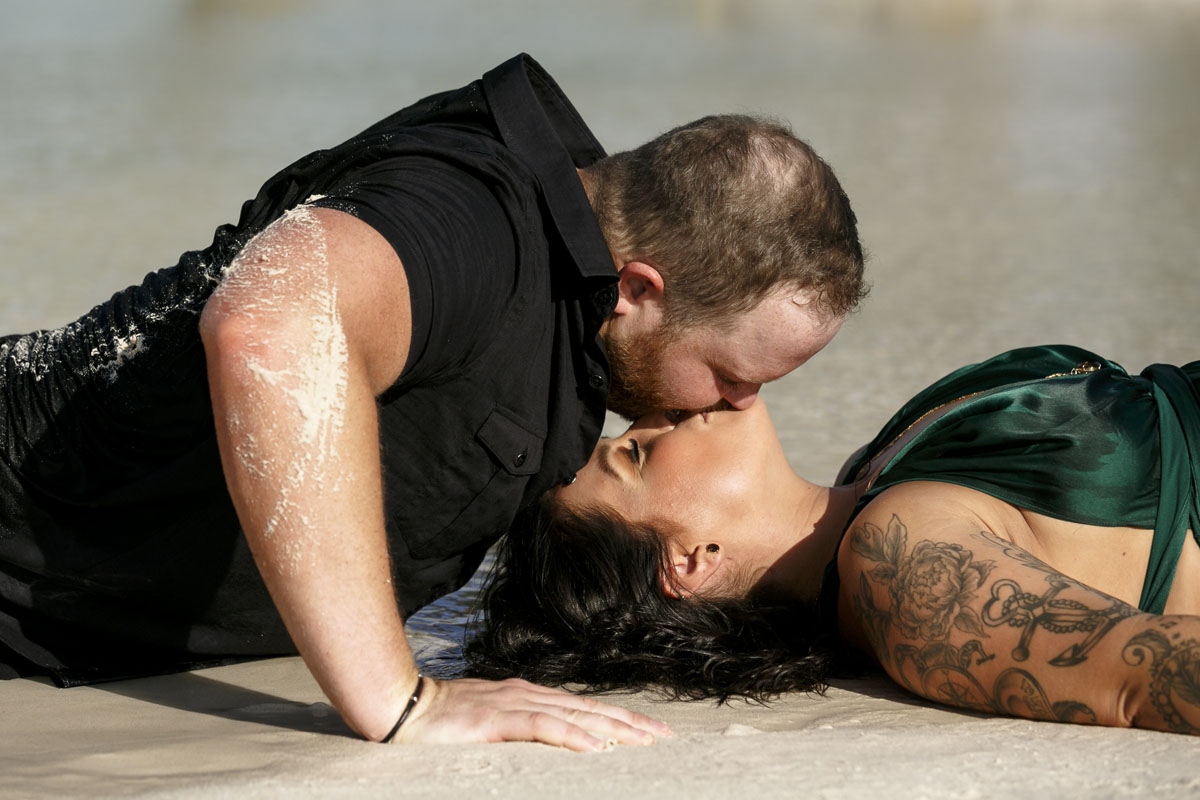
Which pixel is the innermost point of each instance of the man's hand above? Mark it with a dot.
(469, 710)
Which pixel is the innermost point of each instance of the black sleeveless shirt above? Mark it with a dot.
(120, 551)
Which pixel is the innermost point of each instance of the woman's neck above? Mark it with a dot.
(820, 515)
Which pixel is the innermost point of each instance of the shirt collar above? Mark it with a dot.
(540, 126)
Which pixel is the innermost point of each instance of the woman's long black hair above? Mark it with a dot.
(575, 599)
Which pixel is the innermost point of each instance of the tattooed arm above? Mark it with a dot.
(956, 614)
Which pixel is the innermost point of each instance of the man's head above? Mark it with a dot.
(725, 231)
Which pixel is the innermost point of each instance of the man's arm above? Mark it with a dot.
(310, 323)
(958, 615)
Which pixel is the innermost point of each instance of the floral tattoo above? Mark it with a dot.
(933, 590)
(940, 606)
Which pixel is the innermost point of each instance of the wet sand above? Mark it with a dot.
(1023, 173)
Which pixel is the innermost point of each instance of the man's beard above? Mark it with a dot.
(636, 362)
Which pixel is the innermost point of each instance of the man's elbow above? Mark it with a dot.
(224, 334)
(233, 336)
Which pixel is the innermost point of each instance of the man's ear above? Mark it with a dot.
(639, 285)
(687, 572)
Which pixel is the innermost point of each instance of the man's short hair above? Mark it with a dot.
(729, 208)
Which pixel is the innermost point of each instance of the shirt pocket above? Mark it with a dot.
(506, 452)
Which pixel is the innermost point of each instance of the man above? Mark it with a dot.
(351, 392)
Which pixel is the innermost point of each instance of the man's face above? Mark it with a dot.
(700, 367)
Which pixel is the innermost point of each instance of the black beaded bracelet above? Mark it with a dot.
(412, 703)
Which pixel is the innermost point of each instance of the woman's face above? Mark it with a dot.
(706, 479)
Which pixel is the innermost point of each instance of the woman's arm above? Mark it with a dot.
(956, 614)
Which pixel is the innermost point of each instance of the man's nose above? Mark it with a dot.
(653, 423)
(742, 395)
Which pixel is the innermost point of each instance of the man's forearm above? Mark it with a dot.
(297, 428)
(302, 466)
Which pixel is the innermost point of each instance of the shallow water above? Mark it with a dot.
(1023, 172)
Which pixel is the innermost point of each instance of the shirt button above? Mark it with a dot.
(596, 381)
(605, 300)
(519, 459)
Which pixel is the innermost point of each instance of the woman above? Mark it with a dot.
(1019, 539)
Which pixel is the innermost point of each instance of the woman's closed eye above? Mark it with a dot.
(635, 453)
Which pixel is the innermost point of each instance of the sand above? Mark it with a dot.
(263, 730)
(1023, 172)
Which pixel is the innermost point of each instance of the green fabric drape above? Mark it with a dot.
(1067, 433)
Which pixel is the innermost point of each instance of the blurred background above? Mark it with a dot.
(1023, 171)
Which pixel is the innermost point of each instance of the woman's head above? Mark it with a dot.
(712, 487)
(611, 583)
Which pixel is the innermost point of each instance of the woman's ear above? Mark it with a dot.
(639, 287)
(688, 571)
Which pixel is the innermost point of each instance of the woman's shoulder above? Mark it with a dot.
(927, 498)
(929, 505)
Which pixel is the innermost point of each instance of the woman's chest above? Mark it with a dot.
(1110, 559)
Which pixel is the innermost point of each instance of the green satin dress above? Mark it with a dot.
(1066, 433)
